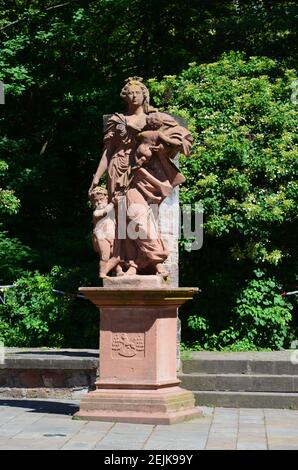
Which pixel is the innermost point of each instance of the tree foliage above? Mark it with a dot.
(63, 64)
(244, 170)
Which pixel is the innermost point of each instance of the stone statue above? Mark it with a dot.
(138, 150)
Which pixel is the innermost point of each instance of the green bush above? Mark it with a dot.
(262, 315)
(35, 315)
(260, 320)
(31, 311)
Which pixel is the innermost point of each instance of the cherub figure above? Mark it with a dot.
(149, 139)
(103, 235)
(156, 138)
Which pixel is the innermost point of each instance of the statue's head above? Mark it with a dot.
(135, 91)
(99, 197)
(154, 121)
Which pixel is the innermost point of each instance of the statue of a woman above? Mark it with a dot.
(138, 152)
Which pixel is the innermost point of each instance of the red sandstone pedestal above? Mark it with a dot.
(137, 380)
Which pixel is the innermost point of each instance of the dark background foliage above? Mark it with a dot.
(63, 65)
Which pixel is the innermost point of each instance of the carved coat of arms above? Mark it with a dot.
(128, 344)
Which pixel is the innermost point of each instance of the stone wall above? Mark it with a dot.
(36, 373)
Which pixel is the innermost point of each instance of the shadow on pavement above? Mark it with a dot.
(56, 353)
(42, 406)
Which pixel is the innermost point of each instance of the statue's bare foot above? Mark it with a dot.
(103, 269)
(161, 270)
(103, 275)
(131, 271)
(119, 271)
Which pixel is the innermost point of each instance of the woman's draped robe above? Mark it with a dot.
(137, 192)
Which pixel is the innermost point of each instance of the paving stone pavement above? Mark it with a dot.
(47, 424)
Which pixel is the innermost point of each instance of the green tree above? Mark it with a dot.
(244, 170)
(13, 253)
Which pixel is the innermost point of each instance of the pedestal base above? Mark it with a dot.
(163, 406)
(137, 377)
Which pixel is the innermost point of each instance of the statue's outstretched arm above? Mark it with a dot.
(101, 169)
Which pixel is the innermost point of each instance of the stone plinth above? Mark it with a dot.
(137, 377)
(135, 282)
